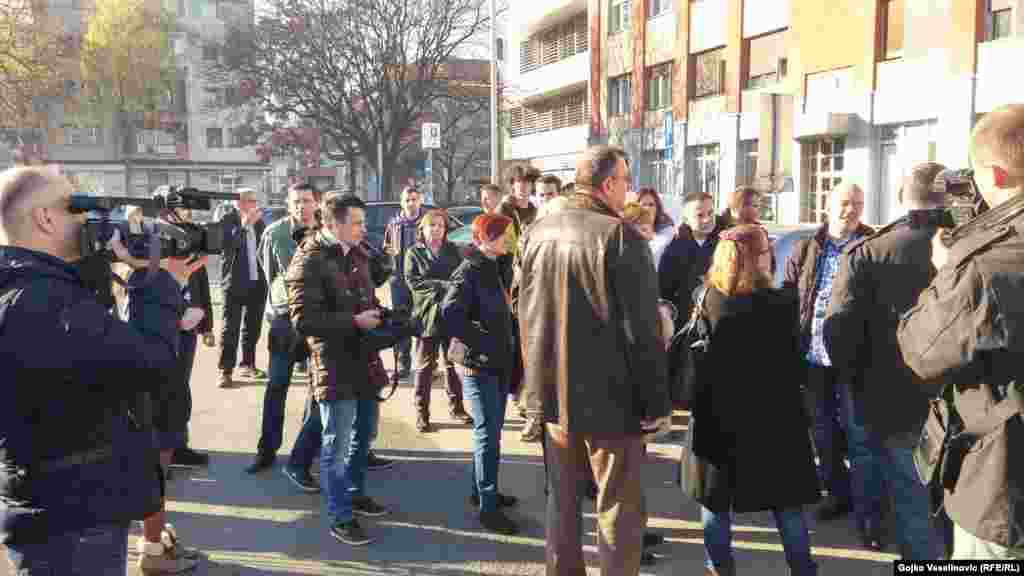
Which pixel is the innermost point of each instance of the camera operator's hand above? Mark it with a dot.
(209, 340)
(367, 320)
(939, 251)
(182, 268)
(191, 319)
(117, 247)
(656, 428)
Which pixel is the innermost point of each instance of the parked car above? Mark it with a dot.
(783, 238)
(463, 215)
(379, 213)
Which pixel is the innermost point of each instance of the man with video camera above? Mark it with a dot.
(75, 465)
(964, 338)
(332, 305)
(880, 277)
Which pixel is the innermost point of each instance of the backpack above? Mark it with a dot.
(689, 348)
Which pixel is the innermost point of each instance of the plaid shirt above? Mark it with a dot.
(828, 266)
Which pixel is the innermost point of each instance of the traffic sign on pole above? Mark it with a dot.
(431, 135)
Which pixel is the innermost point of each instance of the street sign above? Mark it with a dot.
(431, 136)
(668, 134)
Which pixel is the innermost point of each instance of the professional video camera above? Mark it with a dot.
(963, 203)
(161, 224)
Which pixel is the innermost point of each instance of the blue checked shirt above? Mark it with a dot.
(828, 265)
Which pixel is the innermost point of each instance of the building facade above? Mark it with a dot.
(545, 89)
(791, 96)
(189, 141)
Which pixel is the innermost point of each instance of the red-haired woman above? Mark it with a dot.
(750, 384)
(664, 227)
(478, 319)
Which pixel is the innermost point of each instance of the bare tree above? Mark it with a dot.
(465, 138)
(364, 72)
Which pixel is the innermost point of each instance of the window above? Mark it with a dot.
(823, 170)
(767, 57)
(214, 138)
(620, 95)
(87, 136)
(661, 170)
(702, 170)
(658, 7)
(659, 86)
(746, 163)
(709, 73)
(891, 14)
(241, 136)
(619, 16)
(552, 44)
(210, 52)
(1000, 19)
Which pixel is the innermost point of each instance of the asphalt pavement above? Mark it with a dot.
(260, 525)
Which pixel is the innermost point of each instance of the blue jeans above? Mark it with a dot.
(274, 399)
(485, 396)
(862, 449)
(833, 472)
(401, 297)
(795, 540)
(337, 418)
(916, 533)
(98, 551)
(367, 414)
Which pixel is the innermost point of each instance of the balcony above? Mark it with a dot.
(997, 84)
(550, 143)
(551, 79)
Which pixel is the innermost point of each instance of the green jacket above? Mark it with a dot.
(428, 277)
(275, 254)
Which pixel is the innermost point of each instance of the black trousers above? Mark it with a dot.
(248, 300)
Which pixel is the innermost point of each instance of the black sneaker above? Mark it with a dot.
(301, 479)
(653, 539)
(260, 464)
(374, 462)
(497, 522)
(189, 458)
(365, 506)
(504, 501)
(833, 508)
(350, 533)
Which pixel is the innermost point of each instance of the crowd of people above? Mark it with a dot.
(566, 303)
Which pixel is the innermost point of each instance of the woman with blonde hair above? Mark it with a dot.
(749, 384)
(428, 271)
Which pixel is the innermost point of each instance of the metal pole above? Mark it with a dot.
(430, 175)
(495, 178)
(380, 165)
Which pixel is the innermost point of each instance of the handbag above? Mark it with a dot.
(690, 345)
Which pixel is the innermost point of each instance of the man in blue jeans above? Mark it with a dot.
(879, 279)
(399, 236)
(332, 305)
(277, 247)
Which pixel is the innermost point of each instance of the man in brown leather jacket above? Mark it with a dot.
(596, 376)
(965, 332)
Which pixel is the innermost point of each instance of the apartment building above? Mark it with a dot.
(546, 102)
(189, 141)
(794, 96)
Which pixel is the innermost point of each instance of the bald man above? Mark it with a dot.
(244, 287)
(964, 332)
(810, 270)
(75, 467)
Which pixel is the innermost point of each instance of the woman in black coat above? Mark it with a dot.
(749, 426)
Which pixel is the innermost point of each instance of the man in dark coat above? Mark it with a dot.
(585, 271)
(75, 466)
(964, 332)
(244, 288)
(810, 270)
(688, 256)
(880, 278)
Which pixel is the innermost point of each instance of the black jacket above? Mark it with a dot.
(750, 383)
(234, 235)
(966, 331)
(477, 317)
(429, 277)
(199, 292)
(683, 266)
(71, 454)
(880, 278)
